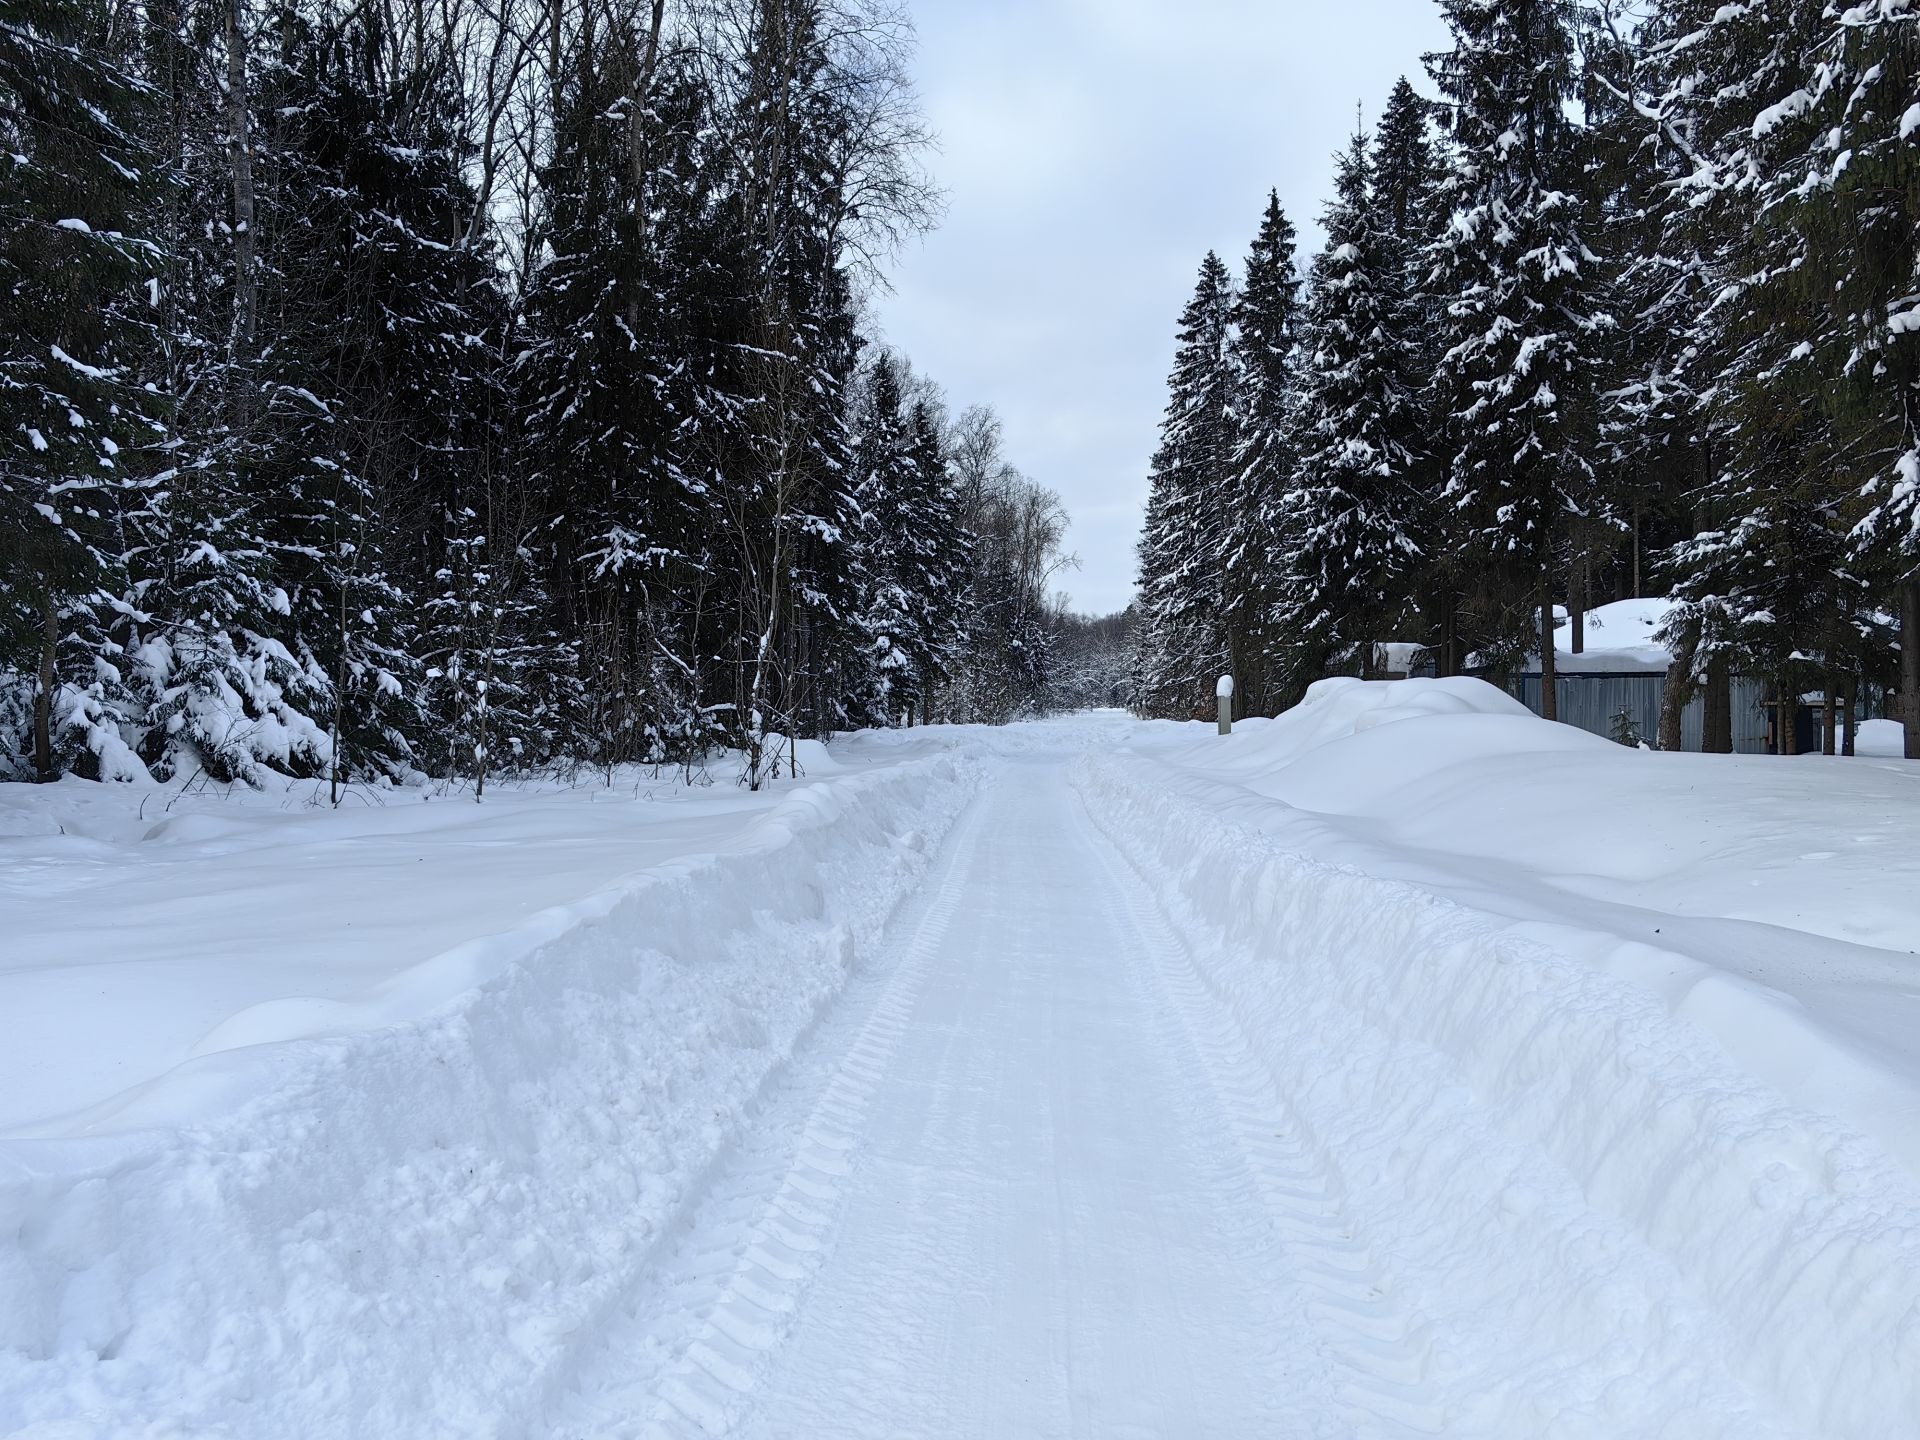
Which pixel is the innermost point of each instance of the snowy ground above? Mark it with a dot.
(1405, 1066)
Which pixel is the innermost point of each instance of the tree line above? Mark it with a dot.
(449, 387)
(1630, 305)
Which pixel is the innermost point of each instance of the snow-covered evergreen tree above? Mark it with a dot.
(1523, 310)
(911, 548)
(1182, 642)
(1257, 527)
(1844, 175)
(74, 181)
(1765, 584)
(598, 422)
(1349, 559)
(1407, 174)
(230, 687)
(940, 556)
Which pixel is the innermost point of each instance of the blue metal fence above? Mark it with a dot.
(1594, 702)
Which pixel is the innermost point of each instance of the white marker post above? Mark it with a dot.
(1223, 692)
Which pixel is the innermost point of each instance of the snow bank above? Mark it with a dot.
(400, 1233)
(1884, 738)
(1528, 1094)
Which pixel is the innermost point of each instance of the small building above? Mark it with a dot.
(1615, 684)
(1621, 704)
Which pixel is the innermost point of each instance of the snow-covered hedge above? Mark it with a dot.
(400, 1237)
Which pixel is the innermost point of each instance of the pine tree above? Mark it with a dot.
(405, 359)
(1256, 530)
(230, 689)
(888, 615)
(1349, 557)
(1657, 103)
(74, 176)
(800, 653)
(911, 548)
(1766, 584)
(1523, 311)
(1182, 645)
(612, 378)
(1407, 174)
(941, 555)
(1845, 140)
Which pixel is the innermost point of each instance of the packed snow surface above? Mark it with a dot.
(1403, 1066)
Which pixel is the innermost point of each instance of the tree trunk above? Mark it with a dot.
(1910, 665)
(1849, 716)
(1830, 720)
(43, 700)
(1786, 709)
(1549, 694)
(1577, 606)
(1717, 721)
(637, 134)
(1676, 694)
(240, 162)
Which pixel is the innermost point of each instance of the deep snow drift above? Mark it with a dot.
(1775, 901)
(1575, 1020)
(1405, 1065)
(399, 1224)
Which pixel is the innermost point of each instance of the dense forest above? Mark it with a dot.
(1629, 306)
(452, 387)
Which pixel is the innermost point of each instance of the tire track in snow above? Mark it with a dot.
(708, 1318)
(1379, 1355)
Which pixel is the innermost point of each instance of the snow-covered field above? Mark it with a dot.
(1403, 1066)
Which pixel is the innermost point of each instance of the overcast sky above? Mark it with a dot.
(1092, 151)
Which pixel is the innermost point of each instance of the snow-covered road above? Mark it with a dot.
(1011, 1205)
(1032, 1181)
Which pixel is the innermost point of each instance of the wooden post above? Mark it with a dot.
(1223, 693)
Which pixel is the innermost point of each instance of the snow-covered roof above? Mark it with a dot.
(1619, 639)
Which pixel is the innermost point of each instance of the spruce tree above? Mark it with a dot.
(230, 688)
(1523, 310)
(1407, 173)
(888, 613)
(1766, 584)
(1191, 490)
(1349, 558)
(1256, 524)
(940, 555)
(74, 180)
(1845, 141)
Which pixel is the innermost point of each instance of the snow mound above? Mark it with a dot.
(1362, 742)
(1518, 1111)
(402, 1232)
(1335, 709)
(1884, 738)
